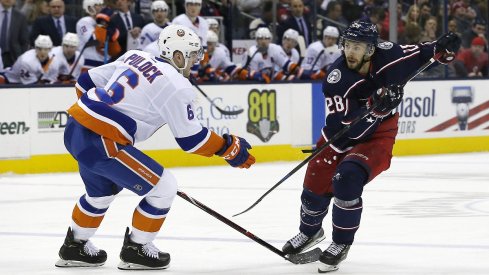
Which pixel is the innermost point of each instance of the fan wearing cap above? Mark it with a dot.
(67, 54)
(321, 54)
(150, 32)
(192, 20)
(472, 62)
(37, 65)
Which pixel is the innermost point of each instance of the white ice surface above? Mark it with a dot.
(426, 215)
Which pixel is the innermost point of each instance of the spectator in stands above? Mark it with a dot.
(452, 27)
(424, 13)
(68, 55)
(351, 10)
(192, 20)
(297, 22)
(384, 33)
(36, 66)
(129, 25)
(472, 62)
(320, 55)
(151, 32)
(34, 10)
(14, 38)
(334, 14)
(412, 34)
(412, 15)
(430, 30)
(264, 21)
(289, 42)
(463, 15)
(478, 29)
(54, 25)
(96, 26)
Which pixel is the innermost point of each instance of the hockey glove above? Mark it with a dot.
(235, 152)
(448, 46)
(385, 100)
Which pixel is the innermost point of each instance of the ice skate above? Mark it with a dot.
(301, 242)
(79, 253)
(142, 256)
(332, 257)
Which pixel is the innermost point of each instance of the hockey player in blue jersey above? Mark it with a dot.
(368, 72)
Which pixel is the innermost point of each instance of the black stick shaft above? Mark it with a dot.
(230, 223)
(222, 111)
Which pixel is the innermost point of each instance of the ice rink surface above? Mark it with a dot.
(426, 215)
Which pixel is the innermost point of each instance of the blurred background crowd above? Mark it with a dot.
(52, 41)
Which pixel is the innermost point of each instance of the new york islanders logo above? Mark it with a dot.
(180, 32)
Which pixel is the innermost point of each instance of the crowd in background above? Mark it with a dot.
(53, 41)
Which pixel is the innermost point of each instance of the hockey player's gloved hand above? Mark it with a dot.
(235, 152)
(447, 45)
(386, 100)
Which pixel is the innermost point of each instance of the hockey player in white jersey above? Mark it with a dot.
(95, 26)
(151, 32)
(36, 65)
(265, 55)
(141, 94)
(192, 20)
(68, 54)
(321, 54)
(289, 42)
(152, 48)
(216, 28)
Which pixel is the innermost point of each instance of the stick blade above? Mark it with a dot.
(306, 257)
(229, 113)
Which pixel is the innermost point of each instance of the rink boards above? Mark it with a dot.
(278, 120)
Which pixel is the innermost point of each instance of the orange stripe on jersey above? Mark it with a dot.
(213, 144)
(146, 224)
(100, 127)
(79, 93)
(85, 220)
(110, 147)
(139, 168)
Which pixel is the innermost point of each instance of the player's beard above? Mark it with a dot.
(358, 65)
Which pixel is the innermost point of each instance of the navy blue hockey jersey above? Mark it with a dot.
(347, 91)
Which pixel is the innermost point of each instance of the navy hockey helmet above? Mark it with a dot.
(361, 31)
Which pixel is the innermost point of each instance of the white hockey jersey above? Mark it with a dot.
(200, 29)
(294, 56)
(142, 94)
(275, 56)
(29, 70)
(65, 68)
(219, 59)
(150, 33)
(84, 29)
(327, 56)
(153, 48)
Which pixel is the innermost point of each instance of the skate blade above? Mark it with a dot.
(313, 244)
(131, 266)
(70, 263)
(324, 268)
(306, 257)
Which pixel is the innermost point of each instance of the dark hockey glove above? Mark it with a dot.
(447, 46)
(235, 152)
(385, 100)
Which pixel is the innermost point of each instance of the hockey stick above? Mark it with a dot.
(90, 43)
(222, 111)
(338, 135)
(302, 47)
(301, 258)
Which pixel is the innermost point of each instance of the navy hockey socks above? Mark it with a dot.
(313, 210)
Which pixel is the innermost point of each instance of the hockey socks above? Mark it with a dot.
(313, 210)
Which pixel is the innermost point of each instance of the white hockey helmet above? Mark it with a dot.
(179, 38)
(212, 37)
(43, 42)
(291, 34)
(193, 1)
(71, 39)
(212, 22)
(89, 6)
(263, 33)
(331, 31)
(159, 5)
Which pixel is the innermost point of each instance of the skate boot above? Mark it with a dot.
(142, 256)
(79, 253)
(332, 257)
(302, 242)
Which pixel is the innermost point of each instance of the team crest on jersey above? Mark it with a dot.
(334, 76)
(180, 32)
(385, 45)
